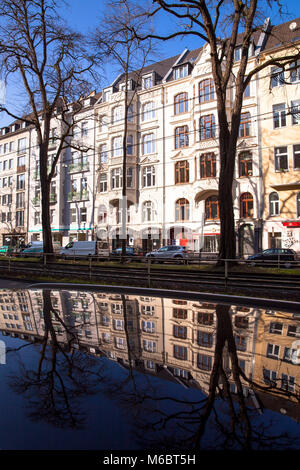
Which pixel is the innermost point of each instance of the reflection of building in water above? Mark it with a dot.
(277, 352)
(174, 339)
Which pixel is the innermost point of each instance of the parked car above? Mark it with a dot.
(81, 249)
(34, 248)
(273, 256)
(5, 249)
(130, 252)
(164, 253)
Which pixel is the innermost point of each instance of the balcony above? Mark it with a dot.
(53, 198)
(21, 169)
(77, 167)
(78, 196)
(36, 201)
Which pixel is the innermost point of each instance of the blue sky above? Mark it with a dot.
(85, 15)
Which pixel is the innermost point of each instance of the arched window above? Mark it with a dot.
(148, 211)
(246, 205)
(207, 127)
(181, 104)
(181, 137)
(206, 90)
(117, 114)
(274, 204)
(148, 111)
(182, 172)
(245, 125)
(208, 165)
(212, 208)
(245, 164)
(298, 205)
(117, 147)
(182, 210)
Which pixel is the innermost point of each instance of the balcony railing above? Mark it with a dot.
(76, 167)
(78, 196)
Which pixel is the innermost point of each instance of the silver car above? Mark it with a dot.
(169, 252)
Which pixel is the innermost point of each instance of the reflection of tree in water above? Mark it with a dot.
(55, 390)
(220, 420)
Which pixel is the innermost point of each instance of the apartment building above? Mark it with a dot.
(279, 108)
(172, 159)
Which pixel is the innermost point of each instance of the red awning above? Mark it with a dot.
(291, 224)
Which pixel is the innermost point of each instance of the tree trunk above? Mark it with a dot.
(45, 199)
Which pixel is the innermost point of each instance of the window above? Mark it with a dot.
(208, 165)
(182, 172)
(181, 104)
(279, 115)
(148, 211)
(180, 72)
(20, 181)
(245, 125)
(180, 352)
(295, 71)
(287, 383)
(116, 178)
(181, 137)
(281, 158)
(205, 318)
(73, 217)
(120, 343)
(276, 328)
(204, 362)
(130, 144)
(241, 321)
(103, 182)
(148, 326)
(274, 204)
(296, 152)
(117, 147)
(246, 205)
(83, 214)
(130, 113)
(102, 215)
(37, 218)
(295, 111)
(270, 377)
(245, 164)
(180, 313)
(247, 91)
(20, 218)
(117, 114)
(84, 129)
(20, 200)
(294, 330)
(180, 331)
(273, 351)
(103, 153)
(206, 90)
(182, 210)
(149, 346)
(148, 144)
(118, 324)
(22, 145)
(240, 342)
(211, 208)
(103, 124)
(277, 77)
(148, 112)
(207, 127)
(129, 181)
(205, 339)
(11, 163)
(147, 82)
(238, 53)
(290, 355)
(148, 176)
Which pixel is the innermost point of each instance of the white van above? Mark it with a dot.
(81, 249)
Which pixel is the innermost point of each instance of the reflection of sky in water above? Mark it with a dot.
(125, 411)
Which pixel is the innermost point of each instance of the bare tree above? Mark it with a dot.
(53, 66)
(208, 20)
(117, 38)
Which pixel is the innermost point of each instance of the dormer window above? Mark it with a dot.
(237, 53)
(147, 82)
(181, 72)
(129, 85)
(106, 95)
